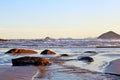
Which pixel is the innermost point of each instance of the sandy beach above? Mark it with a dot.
(18, 73)
(53, 72)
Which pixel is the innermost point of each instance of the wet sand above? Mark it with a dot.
(78, 73)
(61, 72)
(18, 73)
(42, 72)
(53, 72)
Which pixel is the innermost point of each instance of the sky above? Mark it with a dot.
(34, 19)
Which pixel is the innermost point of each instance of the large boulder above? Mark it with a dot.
(17, 51)
(48, 52)
(113, 67)
(27, 60)
(86, 58)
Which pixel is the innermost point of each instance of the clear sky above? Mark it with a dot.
(58, 18)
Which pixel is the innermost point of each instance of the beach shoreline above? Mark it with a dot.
(53, 72)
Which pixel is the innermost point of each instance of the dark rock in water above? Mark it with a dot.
(48, 52)
(90, 52)
(24, 61)
(113, 67)
(64, 55)
(109, 35)
(86, 58)
(17, 51)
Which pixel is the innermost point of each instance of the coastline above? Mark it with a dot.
(53, 72)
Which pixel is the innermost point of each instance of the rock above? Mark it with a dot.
(48, 52)
(90, 52)
(113, 67)
(47, 38)
(17, 51)
(27, 60)
(86, 58)
(64, 55)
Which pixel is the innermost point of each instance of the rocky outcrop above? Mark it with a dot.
(109, 35)
(48, 52)
(86, 58)
(17, 51)
(27, 60)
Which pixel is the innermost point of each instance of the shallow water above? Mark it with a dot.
(101, 59)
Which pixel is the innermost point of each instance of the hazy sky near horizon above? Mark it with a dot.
(58, 18)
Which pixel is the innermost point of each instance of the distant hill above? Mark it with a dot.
(3, 40)
(109, 35)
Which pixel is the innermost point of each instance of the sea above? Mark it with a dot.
(74, 47)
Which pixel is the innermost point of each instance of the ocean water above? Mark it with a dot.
(75, 48)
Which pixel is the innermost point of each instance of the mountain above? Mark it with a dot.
(109, 35)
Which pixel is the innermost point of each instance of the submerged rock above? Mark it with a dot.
(64, 55)
(27, 60)
(86, 58)
(113, 67)
(90, 52)
(48, 52)
(17, 51)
